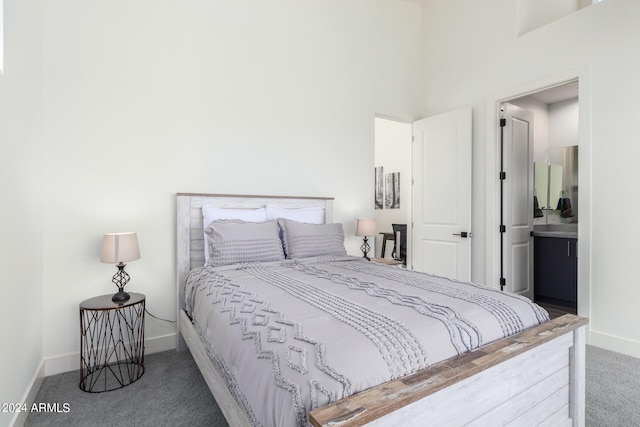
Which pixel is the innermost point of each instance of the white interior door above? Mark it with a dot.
(518, 200)
(441, 214)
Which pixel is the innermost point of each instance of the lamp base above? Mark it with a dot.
(120, 279)
(365, 248)
(120, 297)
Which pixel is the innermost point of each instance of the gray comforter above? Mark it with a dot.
(291, 336)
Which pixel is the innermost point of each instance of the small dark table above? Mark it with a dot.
(386, 236)
(111, 342)
(387, 261)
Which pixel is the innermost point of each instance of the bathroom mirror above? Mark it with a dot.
(556, 180)
(555, 185)
(548, 184)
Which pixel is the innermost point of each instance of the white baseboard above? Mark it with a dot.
(19, 418)
(162, 343)
(614, 343)
(71, 362)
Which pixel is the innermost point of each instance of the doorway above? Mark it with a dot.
(434, 156)
(580, 79)
(553, 181)
(392, 187)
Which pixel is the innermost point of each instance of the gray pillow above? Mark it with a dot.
(213, 213)
(303, 240)
(235, 241)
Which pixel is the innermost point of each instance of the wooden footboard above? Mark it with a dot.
(533, 377)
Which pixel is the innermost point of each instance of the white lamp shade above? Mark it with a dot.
(365, 227)
(119, 247)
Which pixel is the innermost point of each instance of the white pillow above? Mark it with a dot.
(310, 215)
(213, 213)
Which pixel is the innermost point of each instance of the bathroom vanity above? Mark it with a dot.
(556, 264)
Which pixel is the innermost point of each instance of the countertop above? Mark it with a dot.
(567, 231)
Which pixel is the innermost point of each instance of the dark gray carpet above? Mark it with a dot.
(613, 389)
(173, 393)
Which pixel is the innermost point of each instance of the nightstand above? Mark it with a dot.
(387, 261)
(111, 342)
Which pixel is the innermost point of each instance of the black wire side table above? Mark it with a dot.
(111, 342)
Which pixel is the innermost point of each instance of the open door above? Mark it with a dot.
(441, 233)
(517, 254)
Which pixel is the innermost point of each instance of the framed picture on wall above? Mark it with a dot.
(378, 186)
(392, 190)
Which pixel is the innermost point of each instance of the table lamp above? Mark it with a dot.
(365, 227)
(119, 248)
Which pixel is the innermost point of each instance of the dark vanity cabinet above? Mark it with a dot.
(556, 270)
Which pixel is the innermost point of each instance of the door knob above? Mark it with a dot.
(463, 234)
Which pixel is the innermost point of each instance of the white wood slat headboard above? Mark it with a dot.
(189, 227)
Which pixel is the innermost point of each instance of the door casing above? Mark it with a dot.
(492, 193)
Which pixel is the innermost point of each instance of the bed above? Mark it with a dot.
(512, 367)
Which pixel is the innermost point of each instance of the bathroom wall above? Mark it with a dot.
(555, 128)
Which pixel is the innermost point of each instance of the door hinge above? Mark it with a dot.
(503, 228)
(503, 283)
(503, 176)
(503, 122)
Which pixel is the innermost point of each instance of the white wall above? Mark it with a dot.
(108, 109)
(556, 126)
(471, 53)
(563, 123)
(21, 213)
(145, 99)
(536, 13)
(393, 153)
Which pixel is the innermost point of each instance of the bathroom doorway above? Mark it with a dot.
(569, 88)
(551, 215)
